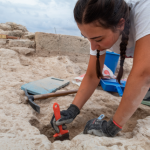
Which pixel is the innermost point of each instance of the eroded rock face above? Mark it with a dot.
(23, 50)
(17, 33)
(29, 35)
(48, 44)
(5, 27)
(22, 43)
(2, 42)
(10, 26)
(62, 43)
(15, 26)
(20, 35)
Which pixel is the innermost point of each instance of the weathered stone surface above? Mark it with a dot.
(73, 44)
(15, 26)
(46, 43)
(17, 33)
(2, 42)
(5, 27)
(23, 50)
(55, 44)
(22, 43)
(29, 35)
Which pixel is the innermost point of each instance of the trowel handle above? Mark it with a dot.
(58, 116)
(56, 111)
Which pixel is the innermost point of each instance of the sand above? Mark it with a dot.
(21, 128)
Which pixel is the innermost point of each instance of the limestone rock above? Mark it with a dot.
(29, 35)
(17, 33)
(2, 42)
(15, 26)
(5, 27)
(20, 137)
(23, 50)
(22, 43)
(7, 53)
(74, 44)
(47, 42)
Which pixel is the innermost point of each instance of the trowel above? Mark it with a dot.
(63, 134)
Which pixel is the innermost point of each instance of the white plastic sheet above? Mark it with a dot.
(107, 74)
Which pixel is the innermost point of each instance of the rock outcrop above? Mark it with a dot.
(25, 41)
(15, 26)
(48, 44)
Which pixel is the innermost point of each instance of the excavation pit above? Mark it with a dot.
(19, 68)
(77, 126)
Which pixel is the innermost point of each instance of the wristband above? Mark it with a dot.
(117, 124)
(112, 128)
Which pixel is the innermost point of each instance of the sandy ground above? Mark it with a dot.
(21, 128)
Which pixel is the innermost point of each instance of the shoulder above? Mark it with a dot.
(133, 3)
(139, 16)
(138, 6)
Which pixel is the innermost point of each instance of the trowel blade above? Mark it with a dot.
(34, 106)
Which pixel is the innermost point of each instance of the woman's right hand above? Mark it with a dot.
(67, 116)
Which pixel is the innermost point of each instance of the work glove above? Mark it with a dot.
(67, 116)
(102, 128)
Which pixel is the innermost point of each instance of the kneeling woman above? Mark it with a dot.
(123, 27)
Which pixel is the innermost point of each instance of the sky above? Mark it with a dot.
(50, 16)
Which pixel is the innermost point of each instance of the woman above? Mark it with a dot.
(123, 26)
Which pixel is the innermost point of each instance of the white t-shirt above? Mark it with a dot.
(140, 26)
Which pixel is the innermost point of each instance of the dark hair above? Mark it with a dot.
(107, 14)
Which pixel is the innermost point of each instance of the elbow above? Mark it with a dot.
(92, 76)
(147, 79)
(142, 74)
(145, 75)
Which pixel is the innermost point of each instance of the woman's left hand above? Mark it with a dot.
(101, 128)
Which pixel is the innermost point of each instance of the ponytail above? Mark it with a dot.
(123, 47)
